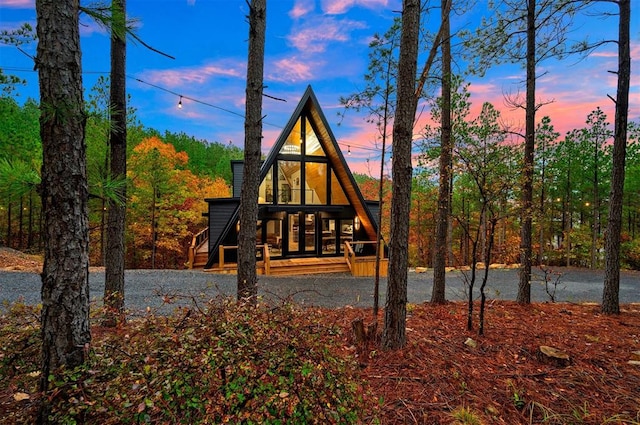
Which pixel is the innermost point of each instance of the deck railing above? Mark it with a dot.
(264, 248)
(197, 240)
(364, 265)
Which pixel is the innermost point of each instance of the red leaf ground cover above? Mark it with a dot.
(437, 379)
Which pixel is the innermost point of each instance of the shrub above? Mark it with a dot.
(228, 363)
(630, 254)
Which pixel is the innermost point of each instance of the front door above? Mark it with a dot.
(301, 234)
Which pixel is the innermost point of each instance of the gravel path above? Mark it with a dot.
(164, 290)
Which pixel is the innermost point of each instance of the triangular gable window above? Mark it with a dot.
(312, 144)
(293, 144)
(301, 173)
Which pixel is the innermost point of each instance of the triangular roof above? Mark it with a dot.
(330, 146)
(309, 104)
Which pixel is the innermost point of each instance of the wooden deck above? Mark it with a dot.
(349, 263)
(291, 266)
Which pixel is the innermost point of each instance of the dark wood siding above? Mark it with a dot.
(374, 209)
(220, 213)
(237, 167)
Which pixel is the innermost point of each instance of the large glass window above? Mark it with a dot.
(293, 244)
(312, 144)
(329, 236)
(346, 233)
(302, 177)
(289, 174)
(309, 233)
(292, 146)
(273, 230)
(338, 197)
(265, 192)
(315, 183)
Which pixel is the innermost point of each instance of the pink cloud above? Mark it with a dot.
(316, 34)
(196, 75)
(292, 70)
(336, 7)
(301, 8)
(18, 4)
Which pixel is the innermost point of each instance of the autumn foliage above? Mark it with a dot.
(166, 204)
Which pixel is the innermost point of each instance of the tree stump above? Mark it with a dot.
(554, 356)
(359, 334)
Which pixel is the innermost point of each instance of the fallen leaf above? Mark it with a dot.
(21, 396)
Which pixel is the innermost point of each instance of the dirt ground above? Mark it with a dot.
(447, 374)
(450, 375)
(12, 260)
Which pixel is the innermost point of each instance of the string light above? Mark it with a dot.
(348, 149)
(180, 103)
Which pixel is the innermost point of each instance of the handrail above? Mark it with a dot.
(349, 254)
(197, 240)
(351, 257)
(200, 237)
(265, 255)
(266, 258)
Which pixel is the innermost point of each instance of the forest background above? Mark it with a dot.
(170, 175)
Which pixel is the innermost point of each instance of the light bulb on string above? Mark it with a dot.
(348, 149)
(180, 103)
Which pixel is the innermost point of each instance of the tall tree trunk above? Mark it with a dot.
(247, 278)
(524, 286)
(444, 189)
(30, 222)
(65, 277)
(379, 247)
(485, 278)
(394, 334)
(20, 223)
(114, 258)
(9, 223)
(610, 295)
(595, 207)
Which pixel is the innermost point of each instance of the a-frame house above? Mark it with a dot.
(311, 210)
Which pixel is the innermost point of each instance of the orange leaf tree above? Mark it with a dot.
(165, 204)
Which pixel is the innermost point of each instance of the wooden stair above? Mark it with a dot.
(350, 263)
(200, 259)
(304, 266)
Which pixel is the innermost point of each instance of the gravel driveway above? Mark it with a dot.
(164, 290)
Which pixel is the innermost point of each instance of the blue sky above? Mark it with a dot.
(323, 43)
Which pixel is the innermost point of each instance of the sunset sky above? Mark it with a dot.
(319, 43)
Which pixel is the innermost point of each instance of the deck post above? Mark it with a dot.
(267, 259)
(221, 260)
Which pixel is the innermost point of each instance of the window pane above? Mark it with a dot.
(329, 236)
(293, 244)
(265, 192)
(346, 233)
(311, 139)
(316, 183)
(289, 182)
(274, 237)
(292, 144)
(309, 233)
(338, 196)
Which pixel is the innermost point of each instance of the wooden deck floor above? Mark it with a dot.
(293, 266)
